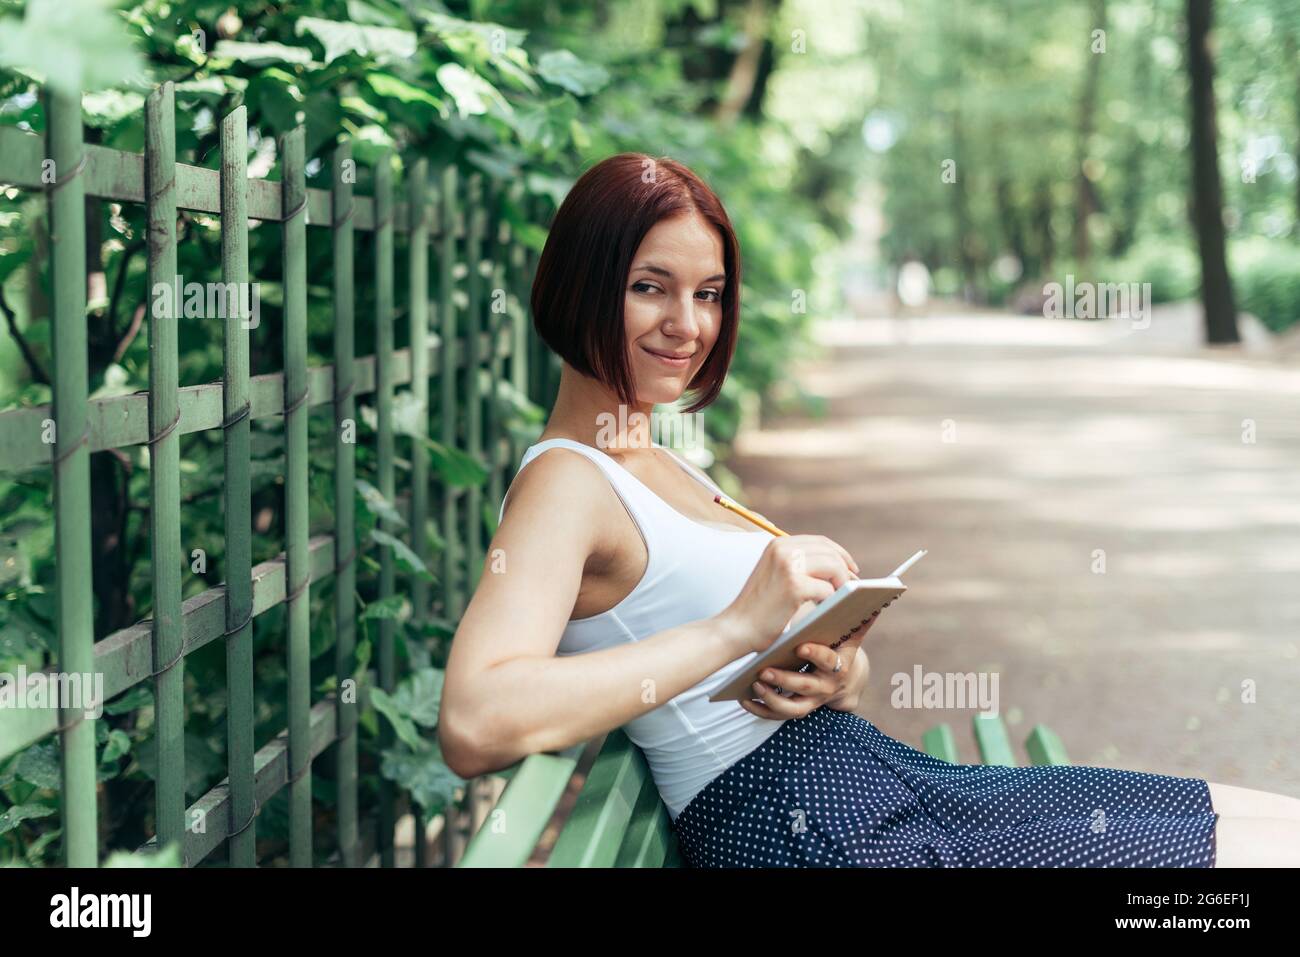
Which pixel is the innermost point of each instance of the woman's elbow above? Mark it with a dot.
(461, 749)
(472, 746)
(478, 736)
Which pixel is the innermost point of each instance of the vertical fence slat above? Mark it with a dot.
(447, 407)
(495, 315)
(539, 357)
(164, 469)
(72, 472)
(297, 571)
(238, 505)
(345, 535)
(418, 274)
(473, 363)
(384, 406)
(521, 347)
(517, 288)
(449, 412)
(418, 296)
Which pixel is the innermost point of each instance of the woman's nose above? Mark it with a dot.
(681, 319)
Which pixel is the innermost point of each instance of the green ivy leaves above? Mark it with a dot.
(415, 763)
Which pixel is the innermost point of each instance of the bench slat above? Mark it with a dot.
(603, 811)
(993, 741)
(650, 833)
(1045, 747)
(938, 742)
(536, 785)
(674, 857)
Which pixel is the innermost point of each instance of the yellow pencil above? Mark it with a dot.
(743, 512)
(763, 523)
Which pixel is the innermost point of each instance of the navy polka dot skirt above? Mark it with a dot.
(832, 790)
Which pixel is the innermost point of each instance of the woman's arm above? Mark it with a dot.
(507, 694)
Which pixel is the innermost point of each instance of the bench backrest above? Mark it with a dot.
(619, 820)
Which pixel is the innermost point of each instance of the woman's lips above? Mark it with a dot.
(669, 360)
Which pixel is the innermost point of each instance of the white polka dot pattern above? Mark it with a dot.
(833, 790)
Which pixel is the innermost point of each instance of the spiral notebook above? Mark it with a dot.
(833, 621)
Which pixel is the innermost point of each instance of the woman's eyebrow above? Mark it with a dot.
(660, 270)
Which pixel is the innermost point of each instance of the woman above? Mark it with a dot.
(618, 594)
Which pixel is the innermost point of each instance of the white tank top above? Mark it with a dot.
(693, 571)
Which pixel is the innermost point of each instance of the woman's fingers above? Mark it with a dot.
(844, 553)
(823, 657)
(760, 709)
(779, 706)
(802, 682)
(815, 557)
(835, 550)
(816, 590)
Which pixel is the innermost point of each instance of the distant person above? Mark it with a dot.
(914, 286)
(911, 295)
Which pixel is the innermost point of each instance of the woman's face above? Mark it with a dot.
(672, 306)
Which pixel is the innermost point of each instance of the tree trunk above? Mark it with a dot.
(1012, 227)
(1293, 57)
(766, 64)
(1207, 188)
(1130, 205)
(961, 211)
(745, 69)
(1043, 226)
(1085, 203)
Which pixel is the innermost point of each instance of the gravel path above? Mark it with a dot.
(1113, 523)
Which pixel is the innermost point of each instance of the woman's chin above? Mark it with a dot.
(664, 393)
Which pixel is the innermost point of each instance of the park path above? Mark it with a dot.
(1020, 451)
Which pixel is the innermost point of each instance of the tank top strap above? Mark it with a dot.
(691, 470)
(639, 501)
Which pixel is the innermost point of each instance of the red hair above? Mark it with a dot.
(579, 287)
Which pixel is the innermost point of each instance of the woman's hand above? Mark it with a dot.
(793, 569)
(840, 690)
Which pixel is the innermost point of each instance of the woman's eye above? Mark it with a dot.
(712, 294)
(643, 287)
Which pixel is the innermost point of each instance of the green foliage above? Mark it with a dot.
(528, 98)
(170, 856)
(87, 42)
(1267, 278)
(1170, 267)
(415, 762)
(1000, 91)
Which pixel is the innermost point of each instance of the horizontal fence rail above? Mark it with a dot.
(459, 342)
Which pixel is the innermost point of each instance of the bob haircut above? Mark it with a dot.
(581, 279)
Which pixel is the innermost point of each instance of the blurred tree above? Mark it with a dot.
(1086, 201)
(1207, 188)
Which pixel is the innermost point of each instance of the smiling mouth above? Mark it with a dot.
(671, 359)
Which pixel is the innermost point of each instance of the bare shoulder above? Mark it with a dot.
(560, 490)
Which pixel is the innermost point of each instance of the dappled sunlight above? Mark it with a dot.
(1137, 515)
(989, 330)
(1230, 642)
(1177, 564)
(886, 487)
(870, 438)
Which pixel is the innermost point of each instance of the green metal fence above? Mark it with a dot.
(467, 351)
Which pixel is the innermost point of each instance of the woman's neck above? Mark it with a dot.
(588, 412)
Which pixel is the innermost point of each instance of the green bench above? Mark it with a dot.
(619, 819)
